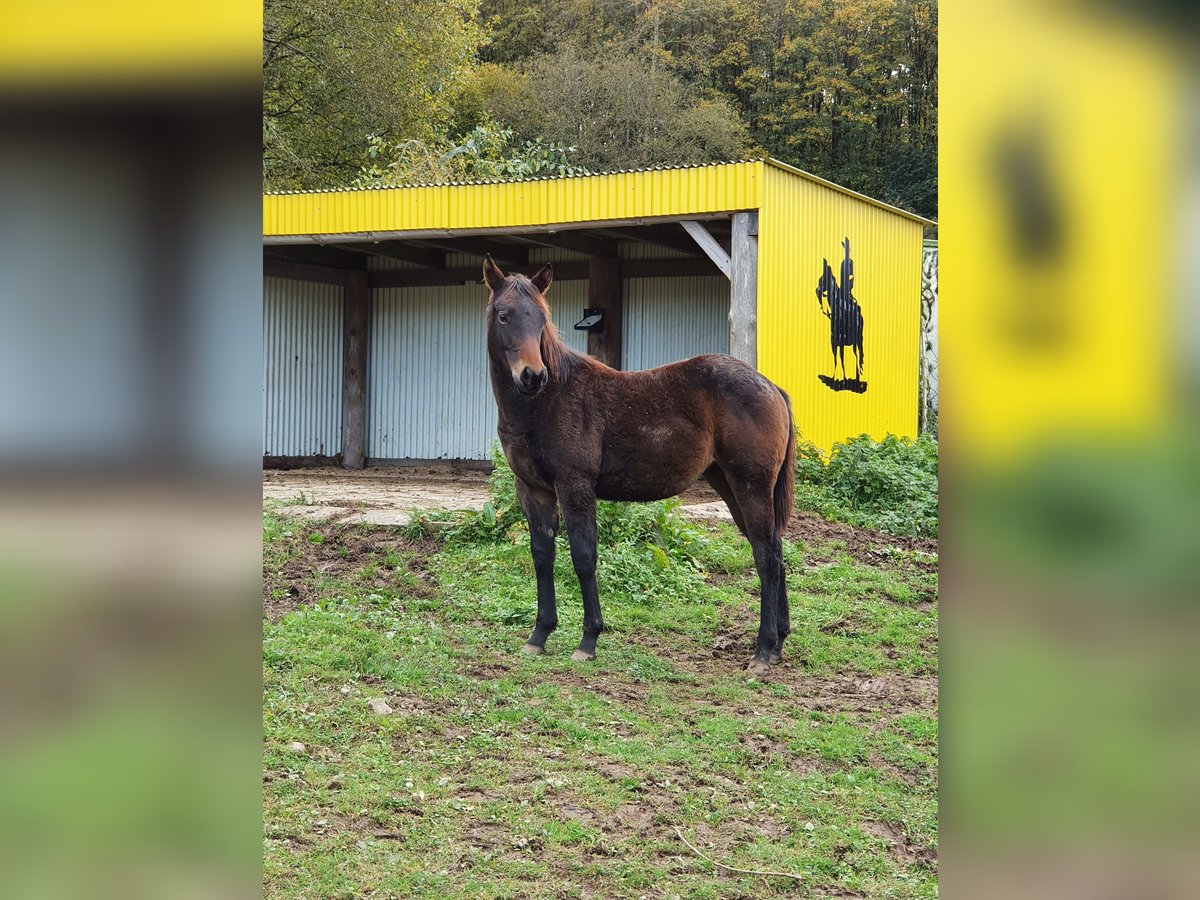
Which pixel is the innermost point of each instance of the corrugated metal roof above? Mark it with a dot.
(632, 195)
(500, 180)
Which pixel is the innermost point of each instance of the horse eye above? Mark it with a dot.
(503, 319)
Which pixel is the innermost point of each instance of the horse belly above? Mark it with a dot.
(627, 489)
(656, 462)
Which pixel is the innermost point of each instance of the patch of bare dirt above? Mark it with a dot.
(373, 496)
(864, 544)
(616, 771)
(904, 851)
(700, 492)
(343, 551)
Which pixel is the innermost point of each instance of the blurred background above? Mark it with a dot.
(130, 448)
(130, 384)
(1069, 234)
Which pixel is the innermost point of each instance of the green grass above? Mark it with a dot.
(500, 775)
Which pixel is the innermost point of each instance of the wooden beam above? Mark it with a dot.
(422, 256)
(606, 292)
(709, 245)
(565, 271)
(668, 237)
(502, 252)
(421, 234)
(570, 271)
(315, 254)
(277, 268)
(354, 371)
(580, 243)
(743, 294)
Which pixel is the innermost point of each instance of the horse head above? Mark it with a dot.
(520, 333)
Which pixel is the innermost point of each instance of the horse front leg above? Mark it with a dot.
(579, 510)
(541, 511)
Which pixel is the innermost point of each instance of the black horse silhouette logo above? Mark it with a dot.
(845, 323)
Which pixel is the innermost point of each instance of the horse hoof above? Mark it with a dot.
(757, 668)
(532, 650)
(775, 659)
(582, 656)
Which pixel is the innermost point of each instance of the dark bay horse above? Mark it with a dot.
(575, 431)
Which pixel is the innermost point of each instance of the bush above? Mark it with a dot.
(891, 485)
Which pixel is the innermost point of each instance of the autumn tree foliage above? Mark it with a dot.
(846, 89)
(337, 72)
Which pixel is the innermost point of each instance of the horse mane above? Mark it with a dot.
(559, 359)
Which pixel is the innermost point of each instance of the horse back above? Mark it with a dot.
(663, 427)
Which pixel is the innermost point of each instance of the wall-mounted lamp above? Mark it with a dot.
(593, 320)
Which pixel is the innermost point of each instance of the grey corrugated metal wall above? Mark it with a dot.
(302, 368)
(668, 319)
(427, 391)
(428, 395)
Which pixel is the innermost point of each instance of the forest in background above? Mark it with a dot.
(363, 92)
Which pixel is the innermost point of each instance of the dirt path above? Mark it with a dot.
(387, 496)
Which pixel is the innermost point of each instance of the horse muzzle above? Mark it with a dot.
(530, 383)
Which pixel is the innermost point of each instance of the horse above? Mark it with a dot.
(574, 431)
(844, 314)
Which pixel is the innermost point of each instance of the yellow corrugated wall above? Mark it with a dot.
(629, 195)
(802, 222)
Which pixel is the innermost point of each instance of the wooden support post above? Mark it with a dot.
(606, 292)
(743, 295)
(354, 371)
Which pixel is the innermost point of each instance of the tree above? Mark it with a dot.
(388, 89)
(336, 72)
(844, 88)
(619, 111)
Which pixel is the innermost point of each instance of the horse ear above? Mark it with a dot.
(542, 279)
(492, 274)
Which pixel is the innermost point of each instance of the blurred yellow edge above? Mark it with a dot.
(1106, 101)
(49, 44)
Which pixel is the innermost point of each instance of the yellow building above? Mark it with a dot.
(373, 311)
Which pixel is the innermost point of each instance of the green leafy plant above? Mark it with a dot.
(891, 485)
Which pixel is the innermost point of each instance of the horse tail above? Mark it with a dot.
(785, 482)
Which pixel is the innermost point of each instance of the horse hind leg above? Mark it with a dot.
(756, 502)
(715, 476)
